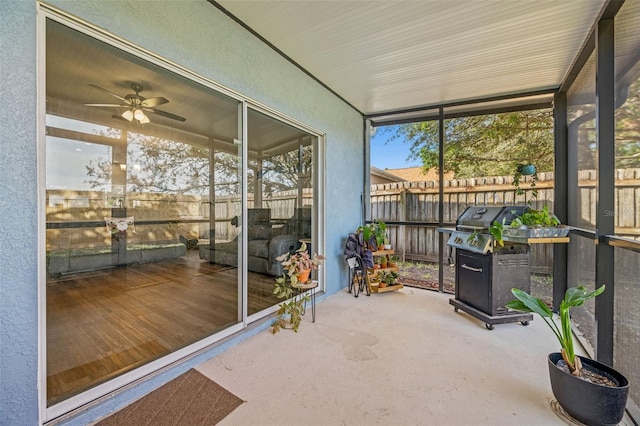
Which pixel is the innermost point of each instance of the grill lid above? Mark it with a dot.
(481, 217)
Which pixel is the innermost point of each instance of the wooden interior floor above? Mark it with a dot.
(101, 324)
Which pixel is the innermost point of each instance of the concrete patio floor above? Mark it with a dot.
(398, 358)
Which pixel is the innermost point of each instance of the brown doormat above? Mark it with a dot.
(190, 399)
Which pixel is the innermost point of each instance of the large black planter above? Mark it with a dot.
(589, 403)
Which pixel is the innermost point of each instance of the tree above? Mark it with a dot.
(486, 145)
(628, 130)
(286, 171)
(159, 165)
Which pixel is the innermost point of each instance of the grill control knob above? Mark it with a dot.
(473, 243)
(458, 240)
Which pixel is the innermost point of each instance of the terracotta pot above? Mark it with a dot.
(303, 276)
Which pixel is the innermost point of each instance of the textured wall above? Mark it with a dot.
(195, 35)
(18, 195)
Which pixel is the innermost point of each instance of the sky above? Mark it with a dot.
(392, 155)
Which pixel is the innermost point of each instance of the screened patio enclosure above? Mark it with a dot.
(151, 155)
(594, 100)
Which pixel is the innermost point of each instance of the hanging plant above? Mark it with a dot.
(520, 177)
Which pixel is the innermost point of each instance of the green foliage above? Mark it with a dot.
(487, 145)
(536, 219)
(298, 261)
(289, 314)
(376, 229)
(496, 230)
(519, 178)
(575, 296)
(388, 277)
(627, 130)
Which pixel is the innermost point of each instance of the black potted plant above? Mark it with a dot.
(589, 391)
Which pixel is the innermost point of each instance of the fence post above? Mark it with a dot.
(402, 216)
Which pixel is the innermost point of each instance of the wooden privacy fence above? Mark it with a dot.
(415, 205)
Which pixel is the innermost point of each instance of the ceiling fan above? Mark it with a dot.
(137, 105)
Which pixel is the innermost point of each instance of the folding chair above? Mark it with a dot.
(358, 276)
(358, 260)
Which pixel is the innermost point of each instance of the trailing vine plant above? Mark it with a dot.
(519, 177)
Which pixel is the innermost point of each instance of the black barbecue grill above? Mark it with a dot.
(486, 271)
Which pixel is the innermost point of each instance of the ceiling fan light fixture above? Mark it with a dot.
(140, 116)
(128, 115)
(136, 104)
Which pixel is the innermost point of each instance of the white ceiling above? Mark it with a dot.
(386, 55)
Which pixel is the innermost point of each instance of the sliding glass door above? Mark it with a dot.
(143, 183)
(280, 200)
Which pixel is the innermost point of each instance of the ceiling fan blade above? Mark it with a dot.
(106, 91)
(165, 114)
(106, 105)
(154, 102)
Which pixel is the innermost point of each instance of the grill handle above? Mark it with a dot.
(464, 265)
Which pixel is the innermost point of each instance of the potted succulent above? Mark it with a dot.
(377, 262)
(386, 241)
(297, 268)
(589, 391)
(388, 277)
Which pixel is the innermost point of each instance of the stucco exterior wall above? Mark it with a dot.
(18, 192)
(197, 36)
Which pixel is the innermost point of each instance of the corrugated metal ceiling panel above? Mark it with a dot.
(391, 55)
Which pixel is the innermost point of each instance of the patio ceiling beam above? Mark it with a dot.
(609, 11)
(435, 115)
(549, 91)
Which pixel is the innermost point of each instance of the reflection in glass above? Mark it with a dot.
(131, 210)
(280, 197)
